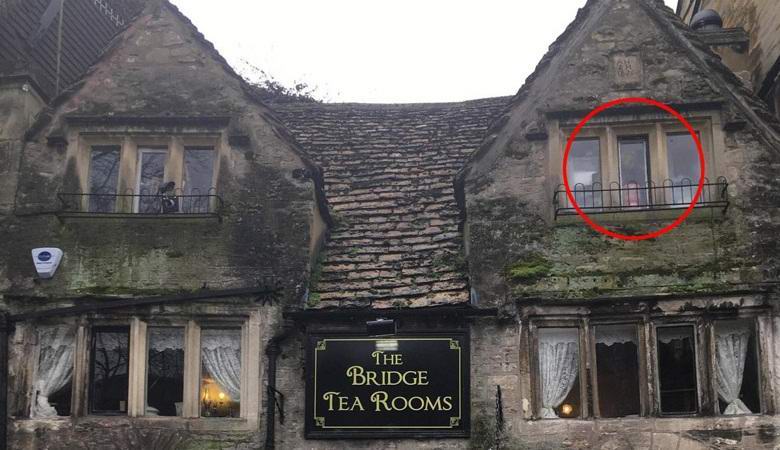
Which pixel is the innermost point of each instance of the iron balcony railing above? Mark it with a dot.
(595, 199)
(168, 204)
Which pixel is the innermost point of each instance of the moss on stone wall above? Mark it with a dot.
(529, 269)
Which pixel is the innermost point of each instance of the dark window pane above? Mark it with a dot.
(198, 176)
(677, 370)
(110, 358)
(617, 370)
(736, 367)
(221, 372)
(55, 370)
(634, 171)
(151, 175)
(165, 372)
(103, 176)
(584, 172)
(684, 167)
(559, 372)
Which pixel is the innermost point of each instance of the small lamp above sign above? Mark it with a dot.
(46, 260)
(381, 327)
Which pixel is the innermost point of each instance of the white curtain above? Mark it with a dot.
(731, 342)
(55, 367)
(221, 356)
(616, 334)
(558, 366)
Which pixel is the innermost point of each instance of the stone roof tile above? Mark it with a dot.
(388, 173)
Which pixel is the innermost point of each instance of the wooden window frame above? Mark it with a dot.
(699, 338)
(703, 325)
(580, 325)
(641, 335)
(91, 377)
(138, 332)
(130, 146)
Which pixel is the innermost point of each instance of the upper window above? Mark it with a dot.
(683, 166)
(637, 168)
(103, 178)
(149, 180)
(197, 179)
(634, 173)
(584, 171)
(143, 177)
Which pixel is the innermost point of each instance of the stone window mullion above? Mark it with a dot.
(191, 400)
(81, 362)
(136, 395)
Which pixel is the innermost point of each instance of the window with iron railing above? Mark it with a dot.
(595, 198)
(163, 177)
(637, 168)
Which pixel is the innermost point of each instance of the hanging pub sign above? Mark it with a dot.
(401, 386)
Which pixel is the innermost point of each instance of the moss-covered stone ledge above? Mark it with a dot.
(125, 432)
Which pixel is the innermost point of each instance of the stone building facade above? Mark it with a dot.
(224, 309)
(758, 56)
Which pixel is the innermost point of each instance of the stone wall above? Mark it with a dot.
(761, 19)
(268, 234)
(515, 246)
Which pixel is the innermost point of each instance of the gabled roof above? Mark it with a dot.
(388, 177)
(29, 38)
(729, 85)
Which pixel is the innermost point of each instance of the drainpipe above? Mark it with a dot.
(4, 326)
(272, 350)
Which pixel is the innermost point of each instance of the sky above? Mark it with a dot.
(398, 51)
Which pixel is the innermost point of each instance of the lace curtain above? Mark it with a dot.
(221, 356)
(55, 367)
(731, 342)
(616, 334)
(558, 366)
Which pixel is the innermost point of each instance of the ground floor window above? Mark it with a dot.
(52, 386)
(165, 371)
(592, 368)
(109, 370)
(736, 366)
(221, 372)
(676, 348)
(193, 369)
(559, 372)
(617, 370)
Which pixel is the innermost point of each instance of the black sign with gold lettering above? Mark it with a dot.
(363, 387)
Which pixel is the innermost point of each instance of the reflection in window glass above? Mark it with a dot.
(55, 369)
(617, 370)
(151, 175)
(584, 172)
(103, 176)
(677, 370)
(634, 170)
(559, 372)
(165, 372)
(220, 394)
(198, 175)
(110, 358)
(736, 367)
(684, 167)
